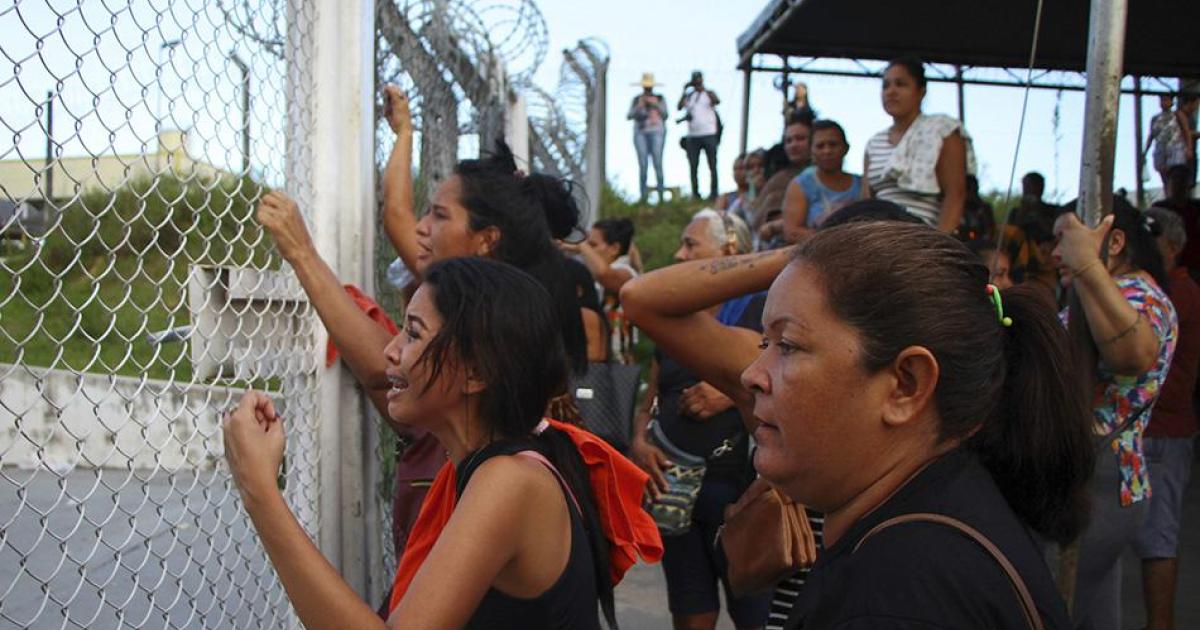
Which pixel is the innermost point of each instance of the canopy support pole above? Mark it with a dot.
(958, 80)
(1106, 51)
(745, 109)
(1139, 155)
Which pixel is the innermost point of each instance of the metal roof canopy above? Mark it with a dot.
(991, 33)
(973, 37)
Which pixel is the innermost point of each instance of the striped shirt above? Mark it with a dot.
(787, 592)
(884, 186)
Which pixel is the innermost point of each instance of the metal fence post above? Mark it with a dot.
(343, 222)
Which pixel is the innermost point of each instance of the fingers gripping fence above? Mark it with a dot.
(139, 297)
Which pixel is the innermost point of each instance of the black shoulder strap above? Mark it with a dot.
(472, 462)
(1027, 606)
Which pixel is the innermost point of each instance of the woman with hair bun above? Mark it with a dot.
(1134, 327)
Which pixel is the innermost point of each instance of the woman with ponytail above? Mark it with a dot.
(1134, 327)
(893, 383)
(533, 540)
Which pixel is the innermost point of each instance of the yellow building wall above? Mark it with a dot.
(26, 181)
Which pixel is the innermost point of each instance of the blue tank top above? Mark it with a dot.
(823, 201)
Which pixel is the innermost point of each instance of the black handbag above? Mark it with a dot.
(606, 396)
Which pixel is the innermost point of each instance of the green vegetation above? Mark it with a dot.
(115, 266)
(657, 227)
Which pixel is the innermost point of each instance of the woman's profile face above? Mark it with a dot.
(819, 408)
(445, 229)
(608, 251)
(411, 399)
(901, 94)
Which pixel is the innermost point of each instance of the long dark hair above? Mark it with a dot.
(1007, 391)
(529, 212)
(499, 322)
(1141, 233)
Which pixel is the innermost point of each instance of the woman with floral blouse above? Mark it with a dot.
(1134, 326)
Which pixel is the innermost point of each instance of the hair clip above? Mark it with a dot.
(994, 294)
(541, 426)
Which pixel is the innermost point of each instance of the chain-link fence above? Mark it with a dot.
(138, 297)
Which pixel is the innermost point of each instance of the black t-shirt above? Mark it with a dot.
(700, 437)
(928, 575)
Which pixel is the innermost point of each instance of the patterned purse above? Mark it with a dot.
(672, 510)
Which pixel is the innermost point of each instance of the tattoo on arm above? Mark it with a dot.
(725, 264)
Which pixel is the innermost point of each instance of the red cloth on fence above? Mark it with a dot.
(617, 484)
(372, 309)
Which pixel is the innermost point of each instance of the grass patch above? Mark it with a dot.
(114, 266)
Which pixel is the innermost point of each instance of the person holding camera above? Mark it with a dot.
(649, 115)
(704, 130)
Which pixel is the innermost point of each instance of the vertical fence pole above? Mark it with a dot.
(48, 196)
(343, 229)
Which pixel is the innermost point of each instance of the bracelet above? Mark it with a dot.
(1123, 333)
(1079, 272)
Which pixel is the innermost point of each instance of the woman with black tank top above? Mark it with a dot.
(525, 545)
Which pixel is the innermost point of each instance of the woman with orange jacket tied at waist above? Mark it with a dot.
(484, 209)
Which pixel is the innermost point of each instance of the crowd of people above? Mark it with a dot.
(874, 351)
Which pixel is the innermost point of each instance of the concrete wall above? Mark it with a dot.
(59, 420)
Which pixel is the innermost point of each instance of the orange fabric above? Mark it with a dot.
(435, 513)
(372, 309)
(617, 484)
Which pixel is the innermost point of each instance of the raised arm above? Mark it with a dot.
(360, 340)
(670, 306)
(254, 444)
(609, 277)
(499, 515)
(952, 180)
(795, 213)
(399, 217)
(1124, 336)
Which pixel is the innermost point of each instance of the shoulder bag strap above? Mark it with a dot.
(1027, 606)
(536, 456)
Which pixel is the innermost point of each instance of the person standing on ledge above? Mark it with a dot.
(704, 130)
(649, 115)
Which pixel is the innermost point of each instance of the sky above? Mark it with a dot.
(673, 37)
(670, 38)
